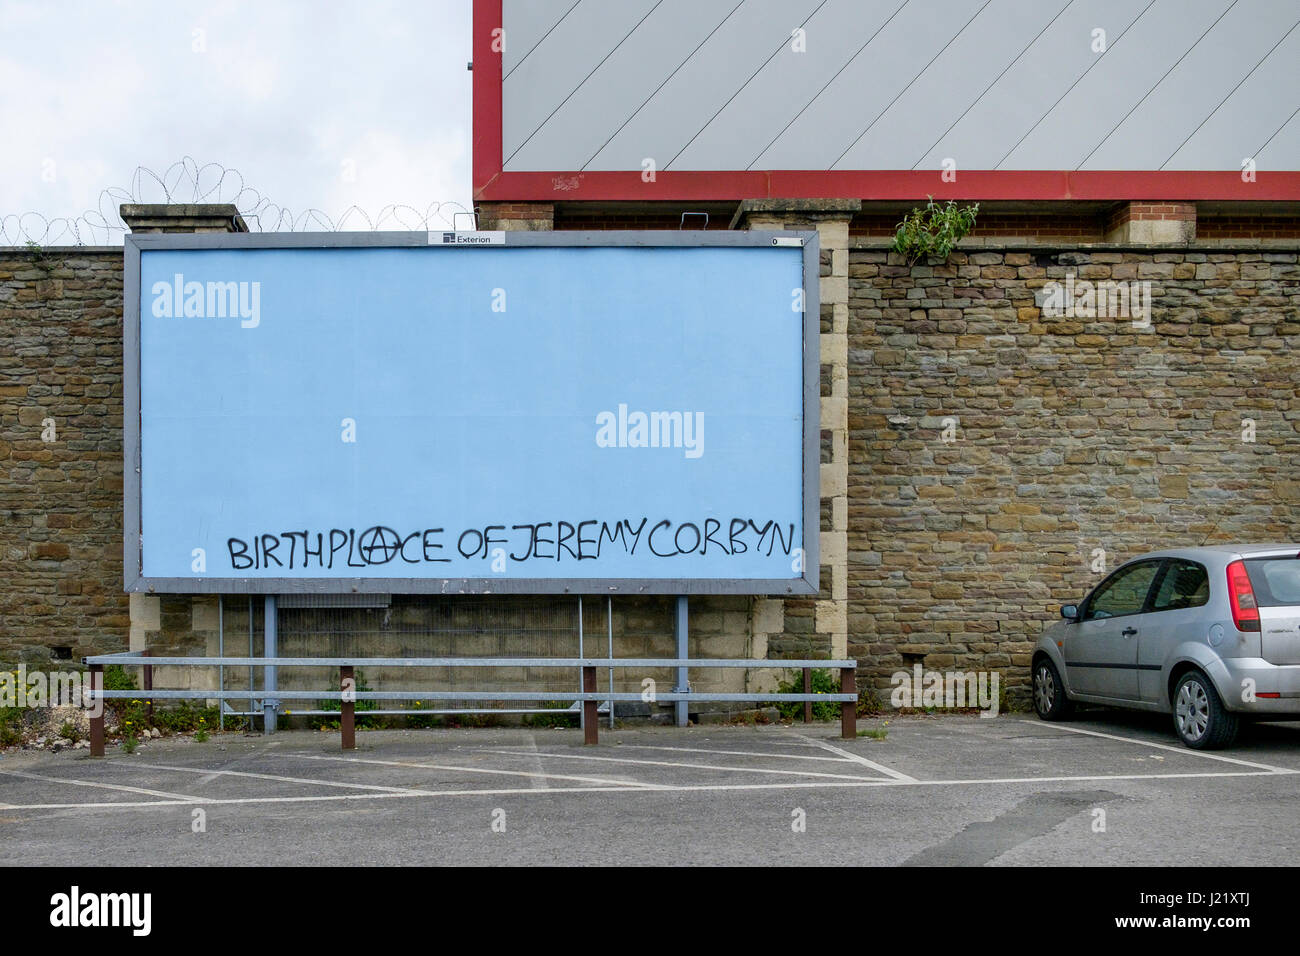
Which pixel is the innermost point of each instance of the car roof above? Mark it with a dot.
(1243, 550)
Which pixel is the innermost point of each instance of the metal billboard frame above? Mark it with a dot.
(133, 541)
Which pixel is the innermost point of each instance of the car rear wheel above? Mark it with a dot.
(1050, 702)
(1201, 720)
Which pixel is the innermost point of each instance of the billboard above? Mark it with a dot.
(472, 412)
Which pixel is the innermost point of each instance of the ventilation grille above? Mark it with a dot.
(334, 600)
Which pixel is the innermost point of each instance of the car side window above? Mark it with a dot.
(1124, 592)
(1185, 584)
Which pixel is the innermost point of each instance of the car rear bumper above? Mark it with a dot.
(1249, 677)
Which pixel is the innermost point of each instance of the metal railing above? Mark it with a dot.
(347, 694)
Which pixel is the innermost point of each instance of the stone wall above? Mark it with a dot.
(1071, 439)
(61, 453)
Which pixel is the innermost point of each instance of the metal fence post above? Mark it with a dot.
(582, 685)
(683, 630)
(849, 708)
(348, 720)
(590, 722)
(97, 712)
(221, 652)
(609, 620)
(269, 681)
(807, 689)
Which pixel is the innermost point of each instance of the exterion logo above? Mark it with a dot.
(179, 299)
(651, 430)
(473, 238)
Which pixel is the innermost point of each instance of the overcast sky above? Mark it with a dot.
(324, 104)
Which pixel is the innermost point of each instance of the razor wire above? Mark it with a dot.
(186, 181)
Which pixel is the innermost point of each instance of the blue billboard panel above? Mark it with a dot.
(542, 413)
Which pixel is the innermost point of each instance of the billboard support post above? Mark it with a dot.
(609, 622)
(221, 652)
(683, 678)
(582, 680)
(269, 682)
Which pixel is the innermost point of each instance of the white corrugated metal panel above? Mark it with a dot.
(900, 84)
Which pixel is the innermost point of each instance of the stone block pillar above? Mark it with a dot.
(1159, 222)
(830, 218)
(178, 217)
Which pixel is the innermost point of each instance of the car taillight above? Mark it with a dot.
(1245, 610)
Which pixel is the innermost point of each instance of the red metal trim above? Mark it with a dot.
(491, 182)
(906, 185)
(486, 82)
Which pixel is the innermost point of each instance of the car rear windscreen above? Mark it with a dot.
(1275, 581)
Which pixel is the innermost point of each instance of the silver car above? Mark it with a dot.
(1210, 635)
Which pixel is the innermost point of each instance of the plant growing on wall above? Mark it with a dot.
(934, 230)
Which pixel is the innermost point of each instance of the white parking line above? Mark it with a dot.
(124, 804)
(210, 774)
(331, 798)
(539, 782)
(1181, 750)
(693, 766)
(103, 786)
(735, 753)
(665, 788)
(616, 784)
(856, 758)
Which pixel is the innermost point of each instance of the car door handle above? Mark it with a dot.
(1129, 631)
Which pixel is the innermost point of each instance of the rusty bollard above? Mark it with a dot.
(348, 718)
(849, 708)
(590, 722)
(97, 711)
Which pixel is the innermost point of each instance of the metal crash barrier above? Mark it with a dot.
(347, 695)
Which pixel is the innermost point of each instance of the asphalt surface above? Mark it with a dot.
(1110, 788)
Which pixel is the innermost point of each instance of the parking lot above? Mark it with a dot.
(1108, 788)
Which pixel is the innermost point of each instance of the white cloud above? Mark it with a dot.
(285, 93)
